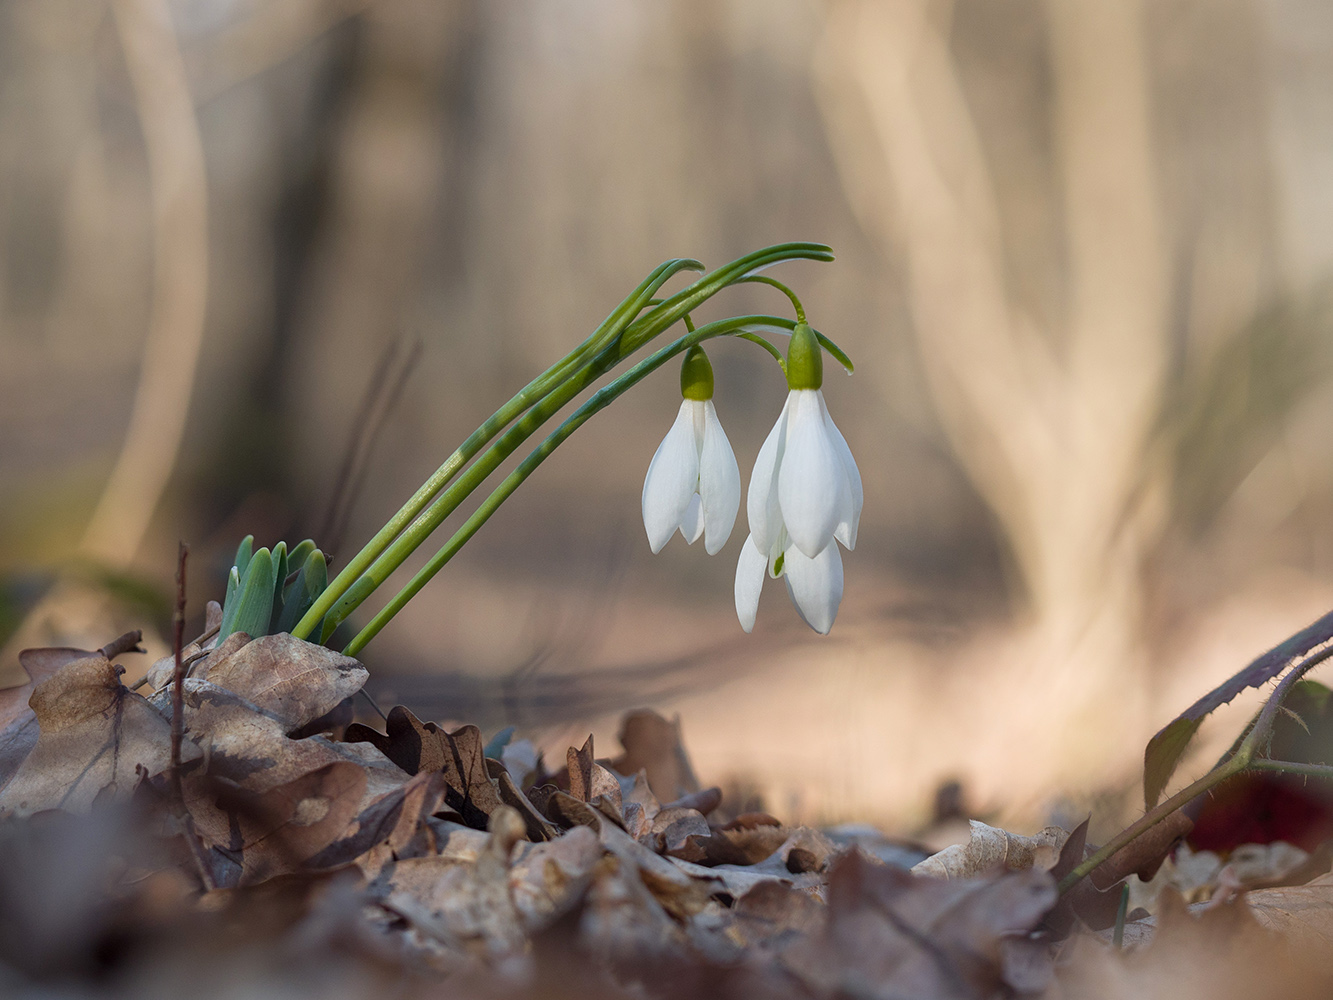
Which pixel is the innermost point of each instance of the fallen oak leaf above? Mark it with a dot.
(275, 832)
(293, 680)
(413, 745)
(990, 848)
(888, 932)
(588, 779)
(18, 722)
(654, 745)
(95, 735)
(249, 746)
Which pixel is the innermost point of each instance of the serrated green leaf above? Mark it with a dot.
(1164, 750)
(254, 605)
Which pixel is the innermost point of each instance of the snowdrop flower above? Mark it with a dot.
(693, 482)
(805, 492)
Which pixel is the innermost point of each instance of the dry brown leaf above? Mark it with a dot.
(678, 893)
(654, 744)
(461, 905)
(95, 735)
(892, 933)
(1302, 914)
(549, 878)
(992, 848)
(413, 745)
(256, 836)
(249, 746)
(292, 680)
(588, 780)
(18, 722)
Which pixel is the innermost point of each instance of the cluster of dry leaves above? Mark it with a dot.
(295, 851)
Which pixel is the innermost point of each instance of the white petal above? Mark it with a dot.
(814, 586)
(761, 504)
(673, 478)
(692, 524)
(850, 519)
(812, 486)
(749, 582)
(719, 482)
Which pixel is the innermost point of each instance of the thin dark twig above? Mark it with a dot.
(127, 643)
(178, 679)
(371, 702)
(178, 720)
(381, 397)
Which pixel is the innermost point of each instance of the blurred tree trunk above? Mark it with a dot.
(1052, 426)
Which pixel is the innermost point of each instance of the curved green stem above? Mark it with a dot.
(599, 400)
(766, 280)
(610, 329)
(1245, 757)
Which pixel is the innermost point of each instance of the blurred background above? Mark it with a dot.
(1084, 252)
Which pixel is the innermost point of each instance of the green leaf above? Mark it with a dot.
(498, 743)
(348, 603)
(243, 552)
(297, 557)
(254, 603)
(279, 570)
(1164, 750)
(300, 594)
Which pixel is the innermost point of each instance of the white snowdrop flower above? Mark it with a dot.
(693, 482)
(805, 493)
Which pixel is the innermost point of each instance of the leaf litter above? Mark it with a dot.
(302, 855)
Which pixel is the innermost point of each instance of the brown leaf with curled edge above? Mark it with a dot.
(293, 680)
(679, 894)
(413, 745)
(470, 789)
(588, 779)
(163, 670)
(654, 744)
(249, 746)
(549, 878)
(18, 722)
(393, 818)
(95, 734)
(274, 832)
(538, 828)
(463, 906)
(891, 933)
(773, 914)
(990, 848)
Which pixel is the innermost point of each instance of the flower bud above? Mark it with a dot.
(696, 375)
(805, 359)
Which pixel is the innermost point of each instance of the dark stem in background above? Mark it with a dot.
(381, 397)
(178, 678)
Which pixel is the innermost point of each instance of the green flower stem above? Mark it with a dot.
(1292, 767)
(1246, 757)
(674, 308)
(766, 280)
(599, 400)
(614, 342)
(611, 328)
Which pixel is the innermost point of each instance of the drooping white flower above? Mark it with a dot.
(693, 482)
(805, 494)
